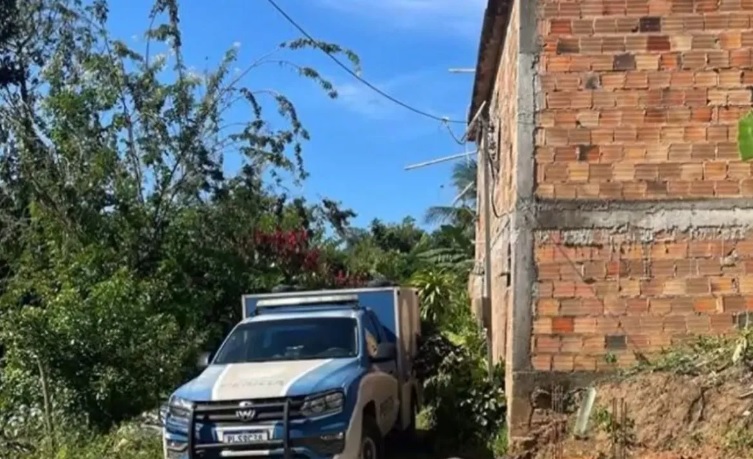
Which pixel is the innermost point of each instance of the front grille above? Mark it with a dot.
(265, 410)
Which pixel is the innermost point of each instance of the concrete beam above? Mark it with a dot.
(657, 216)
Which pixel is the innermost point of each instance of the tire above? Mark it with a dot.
(409, 433)
(372, 444)
(409, 438)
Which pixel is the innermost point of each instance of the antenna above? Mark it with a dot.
(473, 122)
(440, 160)
(466, 154)
(462, 193)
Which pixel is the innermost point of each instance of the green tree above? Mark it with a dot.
(463, 211)
(451, 246)
(123, 236)
(383, 250)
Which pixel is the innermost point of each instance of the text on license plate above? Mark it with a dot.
(245, 437)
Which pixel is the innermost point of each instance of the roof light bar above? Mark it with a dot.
(308, 300)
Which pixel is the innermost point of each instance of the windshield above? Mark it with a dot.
(290, 339)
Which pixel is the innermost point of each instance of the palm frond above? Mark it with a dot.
(449, 258)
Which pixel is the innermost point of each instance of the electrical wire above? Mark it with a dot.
(358, 77)
(482, 132)
(528, 209)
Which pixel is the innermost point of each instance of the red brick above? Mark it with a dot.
(563, 362)
(563, 325)
(542, 362)
(561, 26)
(705, 305)
(547, 344)
(584, 363)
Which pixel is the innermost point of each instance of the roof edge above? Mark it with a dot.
(491, 42)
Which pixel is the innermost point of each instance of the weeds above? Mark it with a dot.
(620, 428)
(702, 355)
(128, 442)
(738, 439)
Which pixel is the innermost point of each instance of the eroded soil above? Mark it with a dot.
(668, 416)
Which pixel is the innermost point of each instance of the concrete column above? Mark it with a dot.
(520, 315)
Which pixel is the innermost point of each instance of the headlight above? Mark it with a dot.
(323, 404)
(179, 409)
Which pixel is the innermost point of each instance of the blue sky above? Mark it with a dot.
(361, 142)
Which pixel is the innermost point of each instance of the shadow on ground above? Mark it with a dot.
(426, 446)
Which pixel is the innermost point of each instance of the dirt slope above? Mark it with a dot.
(692, 403)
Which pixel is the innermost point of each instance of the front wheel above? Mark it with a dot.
(372, 446)
(408, 437)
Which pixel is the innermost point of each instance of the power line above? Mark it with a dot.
(356, 76)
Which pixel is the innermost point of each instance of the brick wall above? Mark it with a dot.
(601, 293)
(636, 111)
(640, 98)
(501, 297)
(502, 143)
(504, 128)
(639, 101)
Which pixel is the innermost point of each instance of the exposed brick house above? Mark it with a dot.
(622, 215)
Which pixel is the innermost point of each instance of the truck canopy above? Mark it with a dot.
(395, 307)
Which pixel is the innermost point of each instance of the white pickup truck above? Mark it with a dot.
(324, 374)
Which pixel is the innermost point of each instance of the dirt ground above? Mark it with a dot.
(694, 402)
(667, 416)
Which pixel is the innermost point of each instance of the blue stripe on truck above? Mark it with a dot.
(200, 389)
(331, 375)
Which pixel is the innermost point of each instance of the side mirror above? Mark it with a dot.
(385, 352)
(204, 360)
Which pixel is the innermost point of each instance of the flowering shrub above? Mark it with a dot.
(289, 249)
(300, 262)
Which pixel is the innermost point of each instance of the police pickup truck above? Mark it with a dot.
(323, 374)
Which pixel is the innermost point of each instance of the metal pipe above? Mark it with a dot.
(488, 196)
(439, 160)
(472, 124)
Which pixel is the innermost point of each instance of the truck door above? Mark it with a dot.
(385, 377)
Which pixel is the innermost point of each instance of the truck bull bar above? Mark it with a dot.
(197, 450)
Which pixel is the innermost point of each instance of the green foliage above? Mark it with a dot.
(453, 248)
(127, 442)
(95, 340)
(701, 355)
(466, 403)
(738, 440)
(125, 243)
(438, 292)
(463, 214)
(745, 137)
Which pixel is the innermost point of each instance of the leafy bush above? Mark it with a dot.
(466, 404)
(126, 243)
(99, 349)
(127, 442)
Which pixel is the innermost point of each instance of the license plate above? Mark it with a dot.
(245, 437)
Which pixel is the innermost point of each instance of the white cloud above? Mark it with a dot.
(462, 17)
(362, 100)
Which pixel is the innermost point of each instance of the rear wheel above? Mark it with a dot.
(372, 446)
(410, 429)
